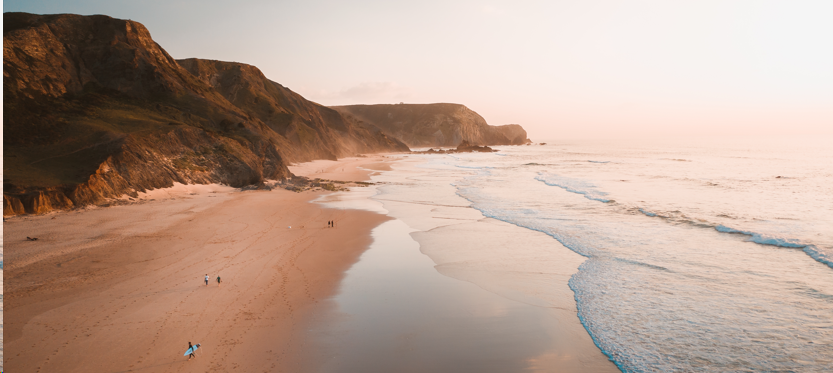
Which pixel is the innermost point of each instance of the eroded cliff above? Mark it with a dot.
(429, 125)
(94, 108)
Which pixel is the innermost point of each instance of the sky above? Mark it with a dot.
(611, 69)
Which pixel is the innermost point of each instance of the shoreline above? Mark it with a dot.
(131, 275)
(445, 288)
(129, 280)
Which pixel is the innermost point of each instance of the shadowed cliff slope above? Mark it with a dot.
(94, 109)
(304, 129)
(423, 125)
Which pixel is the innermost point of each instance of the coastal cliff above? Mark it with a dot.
(305, 130)
(95, 109)
(429, 125)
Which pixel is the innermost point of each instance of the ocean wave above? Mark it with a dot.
(648, 213)
(524, 218)
(791, 243)
(764, 240)
(813, 251)
(818, 255)
(473, 167)
(585, 188)
(624, 303)
(634, 262)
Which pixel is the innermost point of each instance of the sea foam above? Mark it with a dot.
(811, 250)
(585, 188)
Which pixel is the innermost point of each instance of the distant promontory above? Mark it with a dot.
(95, 109)
(430, 125)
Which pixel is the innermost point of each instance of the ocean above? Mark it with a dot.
(708, 257)
(701, 257)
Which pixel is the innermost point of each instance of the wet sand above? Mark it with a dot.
(445, 289)
(120, 289)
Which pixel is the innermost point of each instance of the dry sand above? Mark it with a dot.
(121, 289)
(346, 169)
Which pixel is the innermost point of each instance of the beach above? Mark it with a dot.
(121, 288)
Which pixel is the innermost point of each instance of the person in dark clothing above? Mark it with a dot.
(191, 347)
(218, 280)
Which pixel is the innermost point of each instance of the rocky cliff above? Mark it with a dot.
(514, 133)
(303, 130)
(94, 109)
(427, 125)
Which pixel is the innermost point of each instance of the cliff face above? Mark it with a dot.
(94, 108)
(302, 129)
(424, 125)
(515, 133)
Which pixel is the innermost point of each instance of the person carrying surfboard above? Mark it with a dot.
(191, 349)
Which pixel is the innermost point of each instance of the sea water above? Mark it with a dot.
(436, 292)
(699, 257)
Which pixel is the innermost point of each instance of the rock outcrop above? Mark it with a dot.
(515, 133)
(428, 125)
(94, 109)
(464, 147)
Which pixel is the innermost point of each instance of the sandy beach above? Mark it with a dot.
(121, 289)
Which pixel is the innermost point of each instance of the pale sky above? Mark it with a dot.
(562, 69)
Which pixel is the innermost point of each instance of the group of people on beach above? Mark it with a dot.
(331, 223)
(191, 348)
(206, 280)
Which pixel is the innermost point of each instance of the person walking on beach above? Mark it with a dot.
(206, 279)
(191, 348)
(218, 280)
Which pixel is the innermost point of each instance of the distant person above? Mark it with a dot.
(206, 279)
(218, 280)
(191, 348)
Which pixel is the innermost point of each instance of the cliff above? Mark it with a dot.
(514, 133)
(94, 109)
(427, 125)
(302, 129)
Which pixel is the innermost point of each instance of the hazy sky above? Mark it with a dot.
(562, 69)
